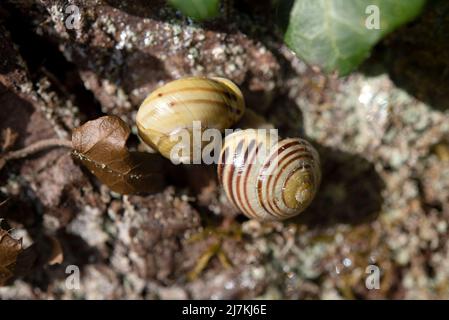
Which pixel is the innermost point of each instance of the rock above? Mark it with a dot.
(125, 50)
(51, 175)
(151, 235)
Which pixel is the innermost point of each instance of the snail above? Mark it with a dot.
(214, 102)
(267, 178)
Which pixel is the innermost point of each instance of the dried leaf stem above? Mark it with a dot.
(34, 148)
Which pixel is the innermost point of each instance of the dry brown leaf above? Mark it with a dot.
(10, 249)
(100, 145)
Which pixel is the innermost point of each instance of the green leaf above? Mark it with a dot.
(197, 9)
(333, 34)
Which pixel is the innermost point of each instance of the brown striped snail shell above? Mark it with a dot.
(215, 102)
(267, 178)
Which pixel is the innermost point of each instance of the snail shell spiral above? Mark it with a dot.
(267, 178)
(214, 102)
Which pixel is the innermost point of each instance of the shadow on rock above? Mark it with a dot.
(417, 56)
(350, 191)
(140, 8)
(76, 251)
(15, 113)
(32, 264)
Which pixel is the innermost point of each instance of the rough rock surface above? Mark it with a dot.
(384, 144)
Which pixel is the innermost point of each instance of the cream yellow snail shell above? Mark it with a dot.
(214, 102)
(267, 178)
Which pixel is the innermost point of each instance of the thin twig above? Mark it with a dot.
(35, 147)
(9, 137)
(4, 201)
